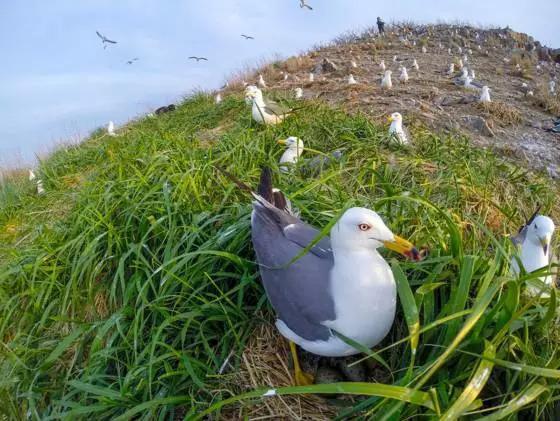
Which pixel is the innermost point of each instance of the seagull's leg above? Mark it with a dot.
(302, 378)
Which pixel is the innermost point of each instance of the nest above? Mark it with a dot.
(264, 363)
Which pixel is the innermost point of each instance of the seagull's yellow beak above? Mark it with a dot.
(390, 118)
(404, 247)
(545, 243)
(281, 141)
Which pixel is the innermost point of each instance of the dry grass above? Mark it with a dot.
(297, 64)
(264, 363)
(500, 113)
(546, 101)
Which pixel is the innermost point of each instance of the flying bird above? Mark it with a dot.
(197, 58)
(133, 60)
(303, 4)
(105, 40)
(247, 36)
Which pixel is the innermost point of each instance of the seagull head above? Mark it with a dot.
(250, 93)
(396, 118)
(363, 229)
(539, 232)
(292, 142)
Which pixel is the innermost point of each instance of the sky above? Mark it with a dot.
(57, 83)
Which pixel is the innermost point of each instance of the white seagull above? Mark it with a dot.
(396, 129)
(311, 77)
(485, 94)
(382, 65)
(351, 80)
(534, 239)
(218, 98)
(298, 92)
(415, 65)
(342, 284)
(386, 82)
(111, 129)
(294, 149)
(403, 77)
(261, 83)
(265, 111)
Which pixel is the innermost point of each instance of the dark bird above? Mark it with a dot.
(133, 60)
(105, 40)
(247, 36)
(198, 58)
(165, 109)
(303, 4)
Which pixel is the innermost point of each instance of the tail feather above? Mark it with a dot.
(265, 185)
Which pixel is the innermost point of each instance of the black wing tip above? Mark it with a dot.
(265, 185)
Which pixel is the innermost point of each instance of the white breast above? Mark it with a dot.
(365, 297)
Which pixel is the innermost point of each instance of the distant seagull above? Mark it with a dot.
(133, 60)
(261, 83)
(105, 40)
(247, 36)
(451, 69)
(298, 93)
(386, 82)
(111, 129)
(32, 175)
(311, 77)
(197, 58)
(404, 75)
(218, 98)
(415, 65)
(485, 95)
(303, 4)
(424, 49)
(351, 80)
(382, 65)
(40, 188)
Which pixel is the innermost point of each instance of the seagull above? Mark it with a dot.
(105, 40)
(465, 59)
(415, 65)
(451, 69)
(133, 60)
(250, 90)
(351, 80)
(298, 92)
(32, 175)
(266, 111)
(382, 65)
(261, 83)
(552, 87)
(315, 165)
(197, 58)
(424, 49)
(40, 188)
(396, 129)
(303, 4)
(111, 129)
(472, 74)
(449, 51)
(404, 75)
(311, 77)
(218, 98)
(342, 284)
(294, 149)
(395, 58)
(386, 82)
(534, 239)
(353, 64)
(247, 36)
(485, 95)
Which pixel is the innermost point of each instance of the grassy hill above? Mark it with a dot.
(130, 289)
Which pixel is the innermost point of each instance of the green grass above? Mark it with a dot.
(125, 287)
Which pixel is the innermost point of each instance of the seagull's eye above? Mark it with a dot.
(364, 227)
(536, 228)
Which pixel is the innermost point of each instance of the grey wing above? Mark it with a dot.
(300, 291)
(476, 84)
(272, 107)
(518, 238)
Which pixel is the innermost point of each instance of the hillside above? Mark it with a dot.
(129, 290)
(514, 124)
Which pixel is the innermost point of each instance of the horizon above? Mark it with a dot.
(75, 86)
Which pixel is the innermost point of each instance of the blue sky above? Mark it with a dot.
(57, 82)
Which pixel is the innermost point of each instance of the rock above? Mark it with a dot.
(326, 66)
(477, 124)
(555, 55)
